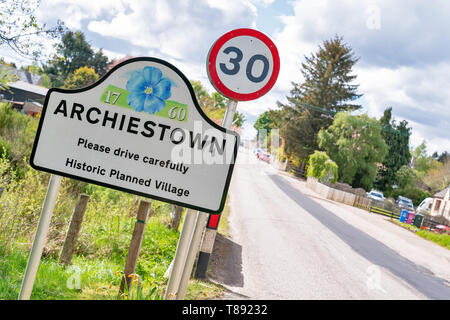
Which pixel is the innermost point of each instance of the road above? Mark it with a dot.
(288, 243)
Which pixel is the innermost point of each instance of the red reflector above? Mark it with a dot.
(213, 221)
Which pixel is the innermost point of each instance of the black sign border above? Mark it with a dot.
(204, 116)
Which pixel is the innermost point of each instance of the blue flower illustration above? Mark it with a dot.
(148, 90)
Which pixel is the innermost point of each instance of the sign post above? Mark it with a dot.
(242, 65)
(40, 237)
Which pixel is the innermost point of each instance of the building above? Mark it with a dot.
(25, 97)
(27, 93)
(441, 204)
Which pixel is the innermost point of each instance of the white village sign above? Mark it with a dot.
(140, 130)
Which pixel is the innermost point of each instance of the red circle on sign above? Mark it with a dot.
(214, 77)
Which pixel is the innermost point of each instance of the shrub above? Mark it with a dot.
(321, 167)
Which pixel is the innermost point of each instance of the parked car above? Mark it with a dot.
(425, 206)
(264, 156)
(376, 195)
(257, 151)
(404, 202)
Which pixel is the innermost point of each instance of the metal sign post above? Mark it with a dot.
(242, 65)
(40, 237)
(210, 233)
(196, 236)
(181, 254)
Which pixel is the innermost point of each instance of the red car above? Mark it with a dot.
(264, 157)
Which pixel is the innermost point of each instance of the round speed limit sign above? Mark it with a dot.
(243, 64)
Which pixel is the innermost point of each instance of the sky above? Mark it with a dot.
(402, 46)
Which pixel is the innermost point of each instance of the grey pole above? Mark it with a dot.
(229, 114)
(179, 260)
(210, 234)
(194, 246)
(40, 237)
(192, 228)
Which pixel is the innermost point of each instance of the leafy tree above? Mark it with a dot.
(327, 88)
(263, 125)
(406, 176)
(421, 161)
(264, 122)
(396, 137)
(321, 167)
(82, 77)
(73, 53)
(214, 105)
(443, 157)
(238, 119)
(20, 30)
(355, 143)
(219, 100)
(407, 180)
(6, 76)
(438, 178)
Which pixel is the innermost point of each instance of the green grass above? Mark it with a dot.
(98, 275)
(224, 227)
(440, 239)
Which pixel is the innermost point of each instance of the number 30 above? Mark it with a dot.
(236, 66)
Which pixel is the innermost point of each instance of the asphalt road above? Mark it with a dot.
(287, 244)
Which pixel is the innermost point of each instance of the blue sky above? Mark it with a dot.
(402, 45)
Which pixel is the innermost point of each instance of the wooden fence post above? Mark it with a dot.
(175, 216)
(74, 229)
(135, 243)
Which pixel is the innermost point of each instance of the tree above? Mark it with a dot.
(264, 122)
(406, 176)
(327, 88)
(6, 77)
(321, 167)
(438, 178)
(214, 105)
(20, 30)
(263, 125)
(396, 137)
(421, 161)
(238, 119)
(355, 143)
(407, 180)
(443, 157)
(72, 53)
(81, 77)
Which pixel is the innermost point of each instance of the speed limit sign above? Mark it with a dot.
(243, 64)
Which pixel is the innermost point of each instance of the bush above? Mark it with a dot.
(321, 167)
(17, 132)
(415, 194)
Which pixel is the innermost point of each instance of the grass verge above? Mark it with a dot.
(440, 239)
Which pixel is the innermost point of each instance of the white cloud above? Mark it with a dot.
(416, 94)
(74, 12)
(183, 30)
(402, 63)
(403, 46)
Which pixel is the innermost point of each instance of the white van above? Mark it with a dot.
(425, 206)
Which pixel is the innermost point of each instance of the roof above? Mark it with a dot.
(441, 193)
(25, 86)
(23, 75)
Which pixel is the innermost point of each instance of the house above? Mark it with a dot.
(24, 96)
(27, 93)
(441, 204)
